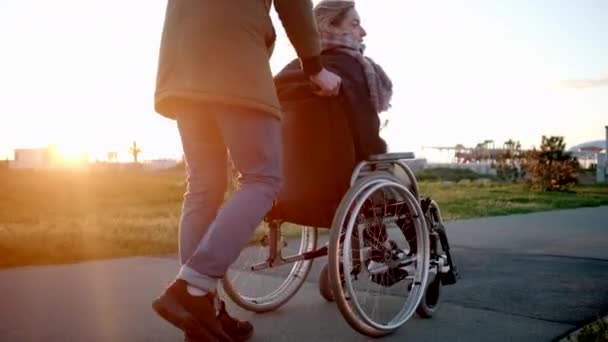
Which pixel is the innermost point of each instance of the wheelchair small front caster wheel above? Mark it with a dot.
(324, 287)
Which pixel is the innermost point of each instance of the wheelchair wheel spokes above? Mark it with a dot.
(261, 288)
(383, 279)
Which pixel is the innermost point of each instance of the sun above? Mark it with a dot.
(68, 155)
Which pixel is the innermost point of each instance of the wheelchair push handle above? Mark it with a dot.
(326, 78)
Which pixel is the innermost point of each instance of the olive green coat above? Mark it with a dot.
(217, 51)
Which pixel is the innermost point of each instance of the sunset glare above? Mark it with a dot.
(81, 75)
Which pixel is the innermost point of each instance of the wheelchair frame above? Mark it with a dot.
(381, 162)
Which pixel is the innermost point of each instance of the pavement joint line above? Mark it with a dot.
(507, 313)
(568, 257)
(511, 251)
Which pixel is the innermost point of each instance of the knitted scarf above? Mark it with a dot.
(378, 82)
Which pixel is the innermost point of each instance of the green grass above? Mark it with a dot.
(52, 217)
(594, 332)
(57, 217)
(464, 201)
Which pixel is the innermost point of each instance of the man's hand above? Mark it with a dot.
(327, 82)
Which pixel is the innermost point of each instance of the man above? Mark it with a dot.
(214, 79)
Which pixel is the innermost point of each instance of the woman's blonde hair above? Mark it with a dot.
(330, 13)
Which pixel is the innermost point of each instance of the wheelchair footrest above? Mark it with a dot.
(449, 278)
(316, 253)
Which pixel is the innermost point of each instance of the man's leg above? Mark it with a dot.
(206, 168)
(205, 157)
(254, 140)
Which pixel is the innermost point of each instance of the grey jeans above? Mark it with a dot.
(211, 236)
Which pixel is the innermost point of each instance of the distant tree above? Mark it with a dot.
(384, 124)
(551, 168)
(134, 150)
(488, 144)
(510, 162)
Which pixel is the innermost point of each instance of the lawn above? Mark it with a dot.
(470, 200)
(49, 217)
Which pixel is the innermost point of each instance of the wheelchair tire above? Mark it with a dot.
(343, 225)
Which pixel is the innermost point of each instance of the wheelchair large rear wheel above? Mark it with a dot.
(264, 290)
(378, 255)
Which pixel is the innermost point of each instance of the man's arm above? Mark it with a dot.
(301, 28)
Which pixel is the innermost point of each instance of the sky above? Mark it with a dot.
(81, 74)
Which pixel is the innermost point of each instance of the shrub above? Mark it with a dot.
(551, 168)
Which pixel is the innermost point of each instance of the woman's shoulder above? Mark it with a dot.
(343, 64)
(336, 61)
(338, 55)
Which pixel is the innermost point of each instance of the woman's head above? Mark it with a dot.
(339, 17)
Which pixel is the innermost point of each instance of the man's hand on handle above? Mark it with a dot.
(326, 83)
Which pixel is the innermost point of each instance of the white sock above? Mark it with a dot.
(195, 291)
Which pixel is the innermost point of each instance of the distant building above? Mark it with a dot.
(49, 158)
(112, 157)
(31, 158)
(45, 158)
(588, 152)
(594, 146)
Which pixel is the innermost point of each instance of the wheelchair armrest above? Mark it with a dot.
(392, 156)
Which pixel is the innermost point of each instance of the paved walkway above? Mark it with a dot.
(531, 277)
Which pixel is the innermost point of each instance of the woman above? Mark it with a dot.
(368, 89)
(325, 138)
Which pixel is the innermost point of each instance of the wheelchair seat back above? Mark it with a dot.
(318, 160)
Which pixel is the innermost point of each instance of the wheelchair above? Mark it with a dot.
(388, 253)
